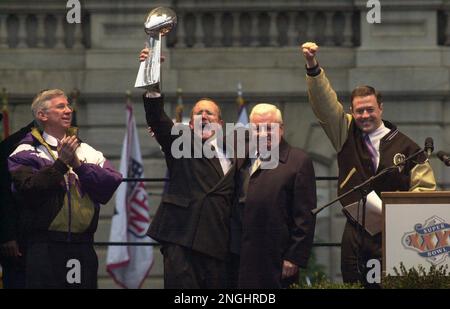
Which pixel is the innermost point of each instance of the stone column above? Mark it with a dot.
(310, 28)
(22, 33)
(348, 31)
(59, 32)
(254, 33)
(329, 28)
(292, 33)
(40, 31)
(273, 34)
(199, 34)
(181, 35)
(77, 36)
(236, 36)
(217, 30)
(3, 31)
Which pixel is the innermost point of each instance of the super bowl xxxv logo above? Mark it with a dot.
(430, 240)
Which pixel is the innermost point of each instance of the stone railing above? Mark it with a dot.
(201, 24)
(42, 29)
(264, 27)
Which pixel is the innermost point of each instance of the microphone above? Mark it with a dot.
(399, 160)
(444, 157)
(429, 147)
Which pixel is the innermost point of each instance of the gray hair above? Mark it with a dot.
(265, 108)
(41, 102)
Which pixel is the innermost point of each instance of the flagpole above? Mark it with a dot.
(179, 108)
(242, 110)
(129, 108)
(239, 100)
(74, 95)
(128, 98)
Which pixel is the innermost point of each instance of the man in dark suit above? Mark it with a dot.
(275, 202)
(192, 222)
(12, 227)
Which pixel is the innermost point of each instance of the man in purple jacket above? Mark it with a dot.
(59, 182)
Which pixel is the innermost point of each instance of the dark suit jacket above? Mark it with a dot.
(195, 210)
(277, 223)
(12, 223)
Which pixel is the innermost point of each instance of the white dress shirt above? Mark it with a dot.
(224, 161)
(375, 138)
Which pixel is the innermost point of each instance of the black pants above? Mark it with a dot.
(233, 271)
(13, 273)
(60, 265)
(357, 248)
(187, 269)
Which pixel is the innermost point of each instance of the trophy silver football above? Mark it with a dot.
(158, 23)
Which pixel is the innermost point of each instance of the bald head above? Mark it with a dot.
(206, 115)
(208, 105)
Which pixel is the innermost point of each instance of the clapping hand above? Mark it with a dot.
(66, 151)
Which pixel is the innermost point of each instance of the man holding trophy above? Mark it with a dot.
(192, 222)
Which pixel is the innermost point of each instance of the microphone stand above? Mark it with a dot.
(360, 187)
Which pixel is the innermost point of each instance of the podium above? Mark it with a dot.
(416, 229)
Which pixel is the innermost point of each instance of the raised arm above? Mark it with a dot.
(157, 119)
(323, 99)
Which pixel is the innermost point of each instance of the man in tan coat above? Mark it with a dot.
(365, 144)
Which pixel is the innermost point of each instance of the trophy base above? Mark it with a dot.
(151, 88)
(149, 74)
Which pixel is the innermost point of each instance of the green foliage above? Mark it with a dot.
(436, 278)
(315, 272)
(320, 281)
(314, 277)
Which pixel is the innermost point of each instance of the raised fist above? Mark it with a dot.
(309, 50)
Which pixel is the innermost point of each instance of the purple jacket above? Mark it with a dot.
(55, 198)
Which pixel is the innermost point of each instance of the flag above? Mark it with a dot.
(5, 115)
(242, 112)
(130, 265)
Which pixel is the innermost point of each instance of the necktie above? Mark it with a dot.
(225, 163)
(255, 165)
(372, 151)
